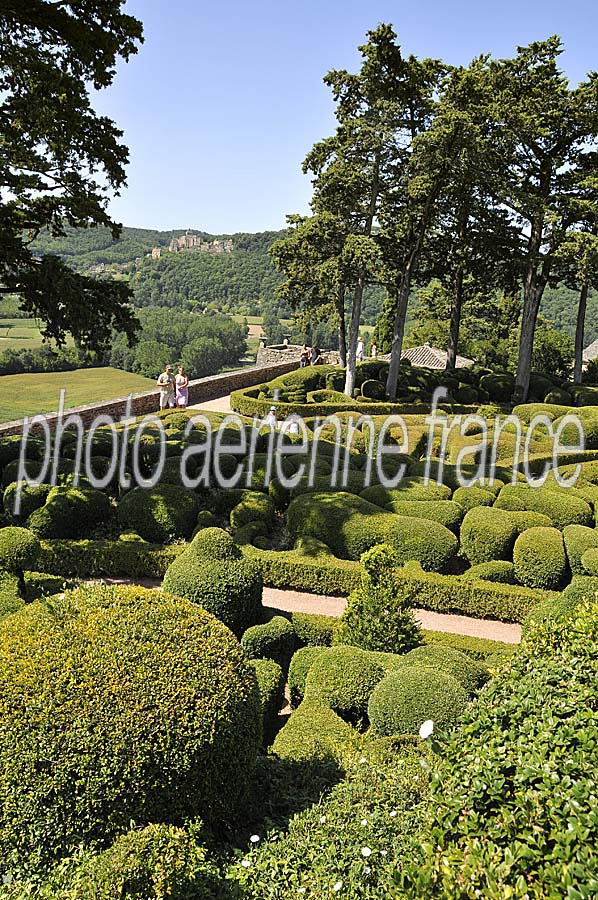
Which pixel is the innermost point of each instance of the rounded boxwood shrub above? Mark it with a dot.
(302, 661)
(343, 678)
(32, 497)
(539, 558)
(314, 630)
(446, 512)
(558, 396)
(373, 390)
(470, 674)
(119, 704)
(411, 695)
(70, 512)
(589, 561)
(273, 640)
(160, 514)
(498, 570)
(487, 534)
(212, 572)
(313, 734)
(561, 507)
(250, 532)
(498, 386)
(19, 550)
(254, 507)
(466, 394)
(270, 682)
(578, 539)
(472, 497)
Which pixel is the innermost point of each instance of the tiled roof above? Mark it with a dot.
(591, 352)
(431, 357)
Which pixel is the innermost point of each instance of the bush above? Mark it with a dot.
(32, 497)
(19, 550)
(70, 512)
(212, 573)
(373, 390)
(270, 681)
(446, 512)
(343, 679)
(589, 561)
(84, 749)
(254, 507)
(314, 630)
(498, 570)
(410, 488)
(470, 674)
(411, 695)
(273, 640)
(313, 734)
(351, 525)
(513, 813)
(578, 539)
(477, 648)
(248, 534)
(373, 619)
(302, 661)
(160, 514)
(487, 534)
(472, 497)
(539, 558)
(560, 506)
(498, 386)
(556, 396)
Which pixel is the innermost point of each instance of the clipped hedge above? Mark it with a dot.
(273, 640)
(470, 674)
(312, 629)
(270, 682)
(578, 539)
(411, 695)
(343, 679)
(589, 561)
(487, 534)
(302, 661)
(70, 512)
(539, 558)
(472, 497)
(32, 497)
(160, 514)
(19, 550)
(561, 507)
(446, 512)
(103, 557)
(499, 570)
(254, 507)
(84, 750)
(313, 734)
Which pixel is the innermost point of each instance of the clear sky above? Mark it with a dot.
(224, 99)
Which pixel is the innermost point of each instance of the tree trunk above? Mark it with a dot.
(354, 337)
(342, 328)
(455, 323)
(396, 348)
(579, 333)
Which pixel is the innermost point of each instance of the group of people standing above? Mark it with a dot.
(174, 389)
(312, 356)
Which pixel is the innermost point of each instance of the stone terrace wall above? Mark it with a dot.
(277, 353)
(200, 390)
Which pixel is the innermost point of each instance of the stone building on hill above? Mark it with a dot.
(191, 241)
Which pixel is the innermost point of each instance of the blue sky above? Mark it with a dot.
(224, 99)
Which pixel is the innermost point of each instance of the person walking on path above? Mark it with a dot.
(359, 354)
(270, 420)
(373, 349)
(182, 388)
(304, 358)
(166, 384)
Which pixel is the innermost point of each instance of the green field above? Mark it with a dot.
(20, 334)
(25, 395)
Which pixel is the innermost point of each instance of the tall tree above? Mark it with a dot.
(60, 161)
(542, 131)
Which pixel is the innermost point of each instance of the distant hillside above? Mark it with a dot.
(559, 305)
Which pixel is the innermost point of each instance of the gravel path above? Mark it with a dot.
(221, 405)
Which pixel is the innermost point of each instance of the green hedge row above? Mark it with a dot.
(102, 557)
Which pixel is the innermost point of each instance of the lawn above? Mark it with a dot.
(25, 395)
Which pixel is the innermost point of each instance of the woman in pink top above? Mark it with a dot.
(182, 388)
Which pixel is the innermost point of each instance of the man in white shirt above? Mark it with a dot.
(166, 384)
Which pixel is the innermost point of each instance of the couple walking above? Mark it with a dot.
(174, 390)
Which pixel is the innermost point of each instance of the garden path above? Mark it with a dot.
(297, 601)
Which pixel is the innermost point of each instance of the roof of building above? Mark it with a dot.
(591, 352)
(432, 357)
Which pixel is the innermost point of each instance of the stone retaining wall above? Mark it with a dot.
(278, 353)
(200, 390)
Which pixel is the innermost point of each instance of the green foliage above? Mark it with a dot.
(84, 750)
(589, 561)
(561, 507)
(313, 734)
(411, 695)
(487, 534)
(302, 661)
(70, 512)
(447, 512)
(159, 514)
(472, 497)
(270, 682)
(477, 648)
(499, 570)
(212, 573)
(373, 618)
(273, 640)
(504, 834)
(254, 507)
(578, 539)
(19, 549)
(343, 679)
(539, 558)
(470, 674)
(314, 630)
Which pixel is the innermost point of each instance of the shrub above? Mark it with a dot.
(466, 394)
(248, 533)
(154, 719)
(254, 507)
(589, 561)
(343, 679)
(70, 512)
(273, 640)
(160, 514)
(477, 648)
(446, 512)
(314, 630)
(350, 526)
(19, 550)
(513, 813)
(410, 488)
(212, 573)
(487, 534)
(498, 386)
(556, 396)
(472, 497)
(578, 539)
(373, 390)
(302, 661)
(411, 695)
(313, 734)
(270, 681)
(470, 674)
(560, 506)
(373, 619)
(32, 497)
(539, 558)
(500, 571)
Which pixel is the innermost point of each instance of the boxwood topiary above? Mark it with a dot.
(302, 661)
(578, 539)
(411, 695)
(32, 497)
(70, 512)
(160, 514)
(560, 506)
(313, 734)
(315, 630)
(343, 678)
(273, 640)
(470, 674)
(19, 550)
(119, 704)
(211, 571)
(373, 390)
(539, 558)
(446, 512)
(270, 682)
(472, 497)
(589, 561)
(487, 534)
(254, 507)
(497, 570)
